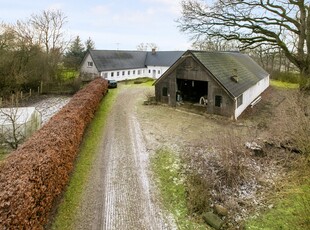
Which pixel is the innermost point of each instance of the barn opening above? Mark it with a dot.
(191, 90)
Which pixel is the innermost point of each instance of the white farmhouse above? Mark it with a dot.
(121, 65)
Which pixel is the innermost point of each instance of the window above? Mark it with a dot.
(129, 72)
(105, 75)
(112, 74)
(117, 73)
(133, 72)
(218, 101)
(139, 72)
(123, 73)
(90, 64)
(149, 71)
(158, 71)
(165, 91)
(239, 100)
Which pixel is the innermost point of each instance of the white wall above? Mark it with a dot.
(156, 71)
(251, 94)
(89, 69)
(120, 75)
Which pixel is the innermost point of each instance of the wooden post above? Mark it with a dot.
(0, 101)
(41, 88)
(12, 99)
(21, 95)
(30, 92)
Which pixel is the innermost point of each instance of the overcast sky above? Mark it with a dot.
(112, 24)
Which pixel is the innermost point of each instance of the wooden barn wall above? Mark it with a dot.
(189, 69)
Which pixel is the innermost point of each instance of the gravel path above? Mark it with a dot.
(119, 194)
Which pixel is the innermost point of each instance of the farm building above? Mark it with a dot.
(226, 83)
(120, 64)
(18, 123)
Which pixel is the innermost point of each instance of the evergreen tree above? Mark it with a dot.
(75, 54)
(89, 44)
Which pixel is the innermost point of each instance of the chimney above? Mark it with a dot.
(153, 51)
(235, 77)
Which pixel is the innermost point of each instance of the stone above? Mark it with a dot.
(221, 210)
(257, 149)
(213, 220)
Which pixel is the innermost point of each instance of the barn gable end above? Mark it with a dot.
(227, 81)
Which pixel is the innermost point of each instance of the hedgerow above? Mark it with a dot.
(34, 175)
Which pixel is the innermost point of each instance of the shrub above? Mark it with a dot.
(286, 77)
(33, 176)
(305, 84)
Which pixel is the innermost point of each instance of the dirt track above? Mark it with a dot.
(119, 193)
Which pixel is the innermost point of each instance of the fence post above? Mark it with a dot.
(41, 91)
(30, 92)
(21, 95)
(12, 99)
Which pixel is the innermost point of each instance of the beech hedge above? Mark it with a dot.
(34, 175)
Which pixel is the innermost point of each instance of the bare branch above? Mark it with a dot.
(253, 23)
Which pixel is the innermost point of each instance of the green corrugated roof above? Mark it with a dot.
(224, 65)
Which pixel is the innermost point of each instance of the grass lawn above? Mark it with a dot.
(291, 212)
(167, 169)
(2, 155)
(66, 212)
(285, 85)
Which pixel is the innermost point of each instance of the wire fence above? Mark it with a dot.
(15, 98)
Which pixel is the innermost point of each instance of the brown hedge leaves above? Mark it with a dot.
(34, 175)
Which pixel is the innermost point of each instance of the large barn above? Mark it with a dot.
(226, 83)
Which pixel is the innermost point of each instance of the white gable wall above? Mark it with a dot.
(251, 94)
(86, 66)
(156, 71)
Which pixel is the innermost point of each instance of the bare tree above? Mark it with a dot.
(12, 132)
(49, 29)
(216, 44)
(6, 37)
(49, 33)
(281, 24)
(142, 47)
(152, 45)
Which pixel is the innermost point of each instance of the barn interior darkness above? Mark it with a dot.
(191, 90)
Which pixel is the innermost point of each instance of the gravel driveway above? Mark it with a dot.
(120, 194)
